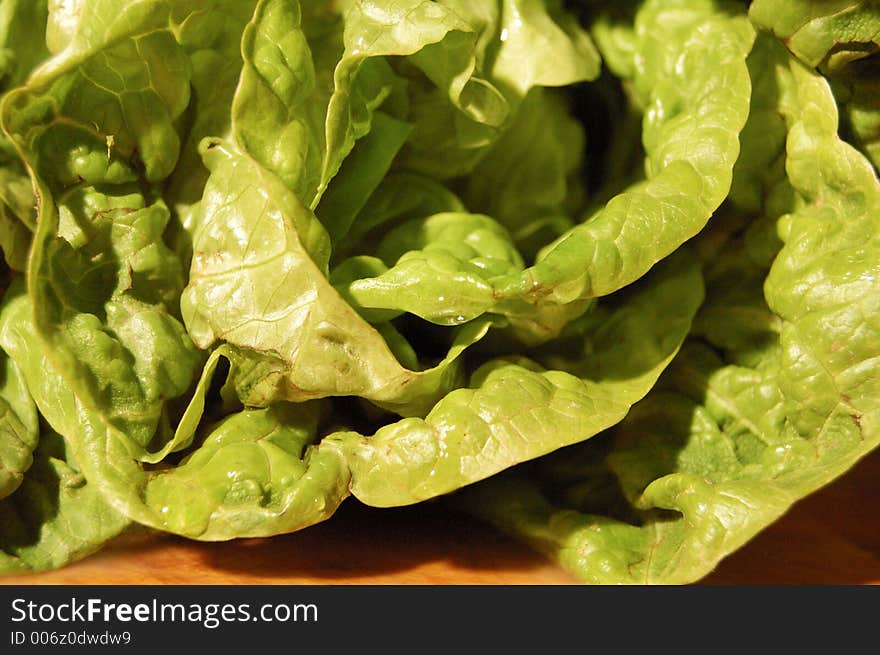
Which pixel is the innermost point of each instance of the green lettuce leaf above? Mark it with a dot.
(22, 48)
(254, 473)
(842, 39)
(515, 46)
(54, 517)
(516, 409)
(50, 515)
(723, 447)
(691, 76)
(307, 341)
(602, 274)
(19, 429)
(16, 211)
(840, 30)
(612, 248)
(107, 288)
(211, 39)
(531, 175)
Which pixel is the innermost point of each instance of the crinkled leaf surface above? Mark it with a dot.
(55, 516)
(253, 474)
(313, 343)
(843, 40)
(516, 409)
(721, 449)
(51, 515)
(267, 254)
(688, 83)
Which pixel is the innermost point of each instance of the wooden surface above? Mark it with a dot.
(833, 537)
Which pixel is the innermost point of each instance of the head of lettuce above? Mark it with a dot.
(605, 276)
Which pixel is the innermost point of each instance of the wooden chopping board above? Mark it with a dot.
(832, 537)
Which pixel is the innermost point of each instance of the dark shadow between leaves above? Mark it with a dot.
(361, 542)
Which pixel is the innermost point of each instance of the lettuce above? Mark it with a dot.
(605, 277)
